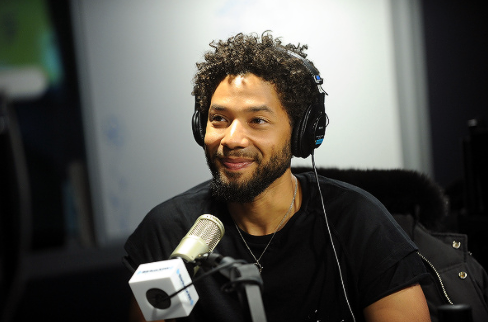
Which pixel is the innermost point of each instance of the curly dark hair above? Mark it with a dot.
(264, 57)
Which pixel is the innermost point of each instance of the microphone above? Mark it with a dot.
(202, 238)
(153, 282)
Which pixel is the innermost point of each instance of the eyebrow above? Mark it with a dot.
(251, 109)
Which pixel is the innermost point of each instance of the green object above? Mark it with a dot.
(27, 38)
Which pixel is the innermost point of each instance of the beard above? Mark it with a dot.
(264, 175)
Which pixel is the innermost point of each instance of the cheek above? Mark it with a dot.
(212, 137)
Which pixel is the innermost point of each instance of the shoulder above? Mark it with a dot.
(370, 243)
(185, 206)
(361, 224)
(344, 198)
(349, 208)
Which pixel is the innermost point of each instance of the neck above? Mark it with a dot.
(263, 215)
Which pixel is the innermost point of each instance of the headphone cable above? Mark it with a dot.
(331, 240)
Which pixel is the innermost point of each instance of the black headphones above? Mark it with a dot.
(308, 132)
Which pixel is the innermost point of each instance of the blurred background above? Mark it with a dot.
(95, 130)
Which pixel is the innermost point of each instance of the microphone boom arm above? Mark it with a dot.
(243, 278)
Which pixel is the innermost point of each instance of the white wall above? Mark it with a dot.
(137, 60)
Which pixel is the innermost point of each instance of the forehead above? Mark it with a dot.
(245, 90)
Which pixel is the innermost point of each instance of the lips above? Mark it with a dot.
(235, 164)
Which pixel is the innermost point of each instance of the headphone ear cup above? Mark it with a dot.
(197, 127)
(296, 137)
(309, 133)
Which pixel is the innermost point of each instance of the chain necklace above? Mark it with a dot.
(258, 264)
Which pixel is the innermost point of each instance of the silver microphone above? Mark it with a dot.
(203, 236)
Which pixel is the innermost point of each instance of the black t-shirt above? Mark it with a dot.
(300, 273)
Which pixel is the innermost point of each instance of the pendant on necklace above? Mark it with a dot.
(259, 267)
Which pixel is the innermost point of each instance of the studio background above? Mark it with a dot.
(111, 136)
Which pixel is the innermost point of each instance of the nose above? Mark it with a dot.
(235, 136)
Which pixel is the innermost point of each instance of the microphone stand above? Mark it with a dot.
(244, 278)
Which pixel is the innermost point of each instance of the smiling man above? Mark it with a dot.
(326, 250)
(247, 138)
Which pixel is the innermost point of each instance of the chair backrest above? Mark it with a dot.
(401, 191)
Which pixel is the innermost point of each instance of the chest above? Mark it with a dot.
(300, 273)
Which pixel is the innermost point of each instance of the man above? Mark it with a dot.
(252, 94)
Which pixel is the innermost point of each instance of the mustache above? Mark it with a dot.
(235, 154)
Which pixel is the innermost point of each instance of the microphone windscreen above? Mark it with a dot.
(202, 238)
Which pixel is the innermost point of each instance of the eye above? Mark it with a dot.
(259, 120)
(216, 118)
